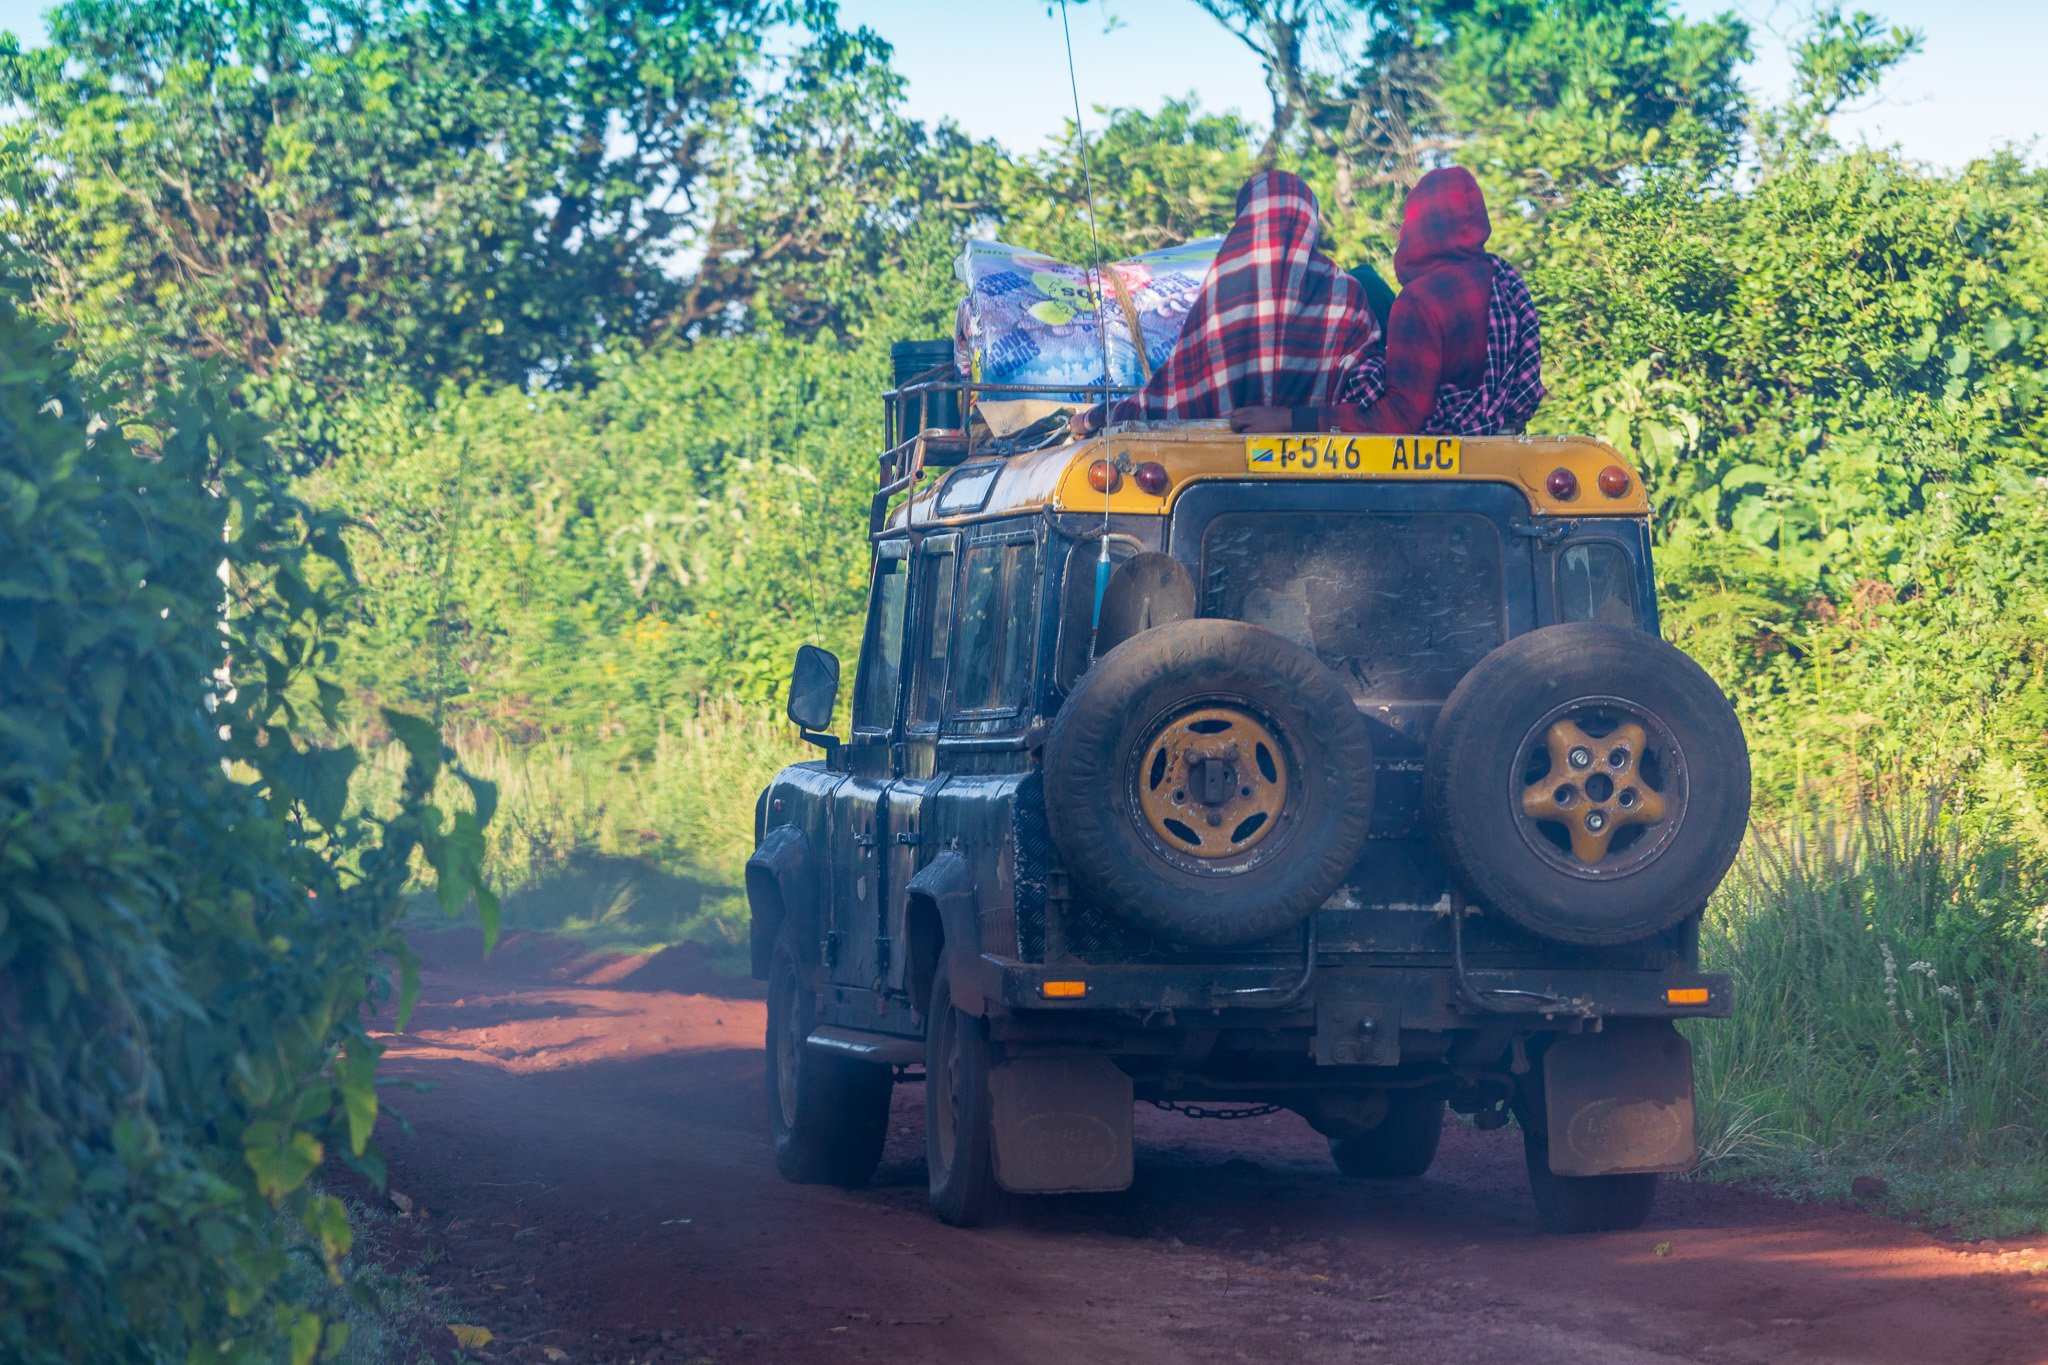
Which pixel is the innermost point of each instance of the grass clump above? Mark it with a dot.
(636, 849)
(1891, 1012)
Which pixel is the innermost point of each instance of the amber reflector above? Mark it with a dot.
(1686, 995)
(1104, 477)
(1151, 477)
(1063, 990)
(1562, 483)
(1614, 481)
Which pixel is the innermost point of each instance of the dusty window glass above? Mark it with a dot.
(1400, 605)
(1020, 608)
(1596, 582)
(997, 626)
(933, 635)
(1077, 604)
(881, 652)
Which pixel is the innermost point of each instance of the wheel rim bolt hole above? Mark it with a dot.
(1627, 797)
(1596, 820)
(1580, 758)
(1618, 759)
(1565, 795)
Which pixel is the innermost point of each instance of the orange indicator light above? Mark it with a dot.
(1063, 990)
(1686, 995)
(1104, 477)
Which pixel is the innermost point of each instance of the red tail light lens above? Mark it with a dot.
(1563, 484)
(1614, 481)
(1104, 477)
(1150, 477)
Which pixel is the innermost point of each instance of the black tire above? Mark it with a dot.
(1402, 1146)
(1573, 1204)
(827, 1116)
(1497, 749)
(1101, 753)
(958, 1112)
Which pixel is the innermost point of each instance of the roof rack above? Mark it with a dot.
(911, 444)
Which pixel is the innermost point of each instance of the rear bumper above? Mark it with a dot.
(1425, 996)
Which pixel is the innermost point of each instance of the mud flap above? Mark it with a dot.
(1619, 1102)
(1062, 1125)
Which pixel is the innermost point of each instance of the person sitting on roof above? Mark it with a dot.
(1276, 326)
(1463, 352)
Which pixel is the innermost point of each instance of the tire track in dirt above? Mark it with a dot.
(590, 1172)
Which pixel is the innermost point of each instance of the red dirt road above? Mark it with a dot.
(592, 1172)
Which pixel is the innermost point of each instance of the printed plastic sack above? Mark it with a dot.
(1030, 321)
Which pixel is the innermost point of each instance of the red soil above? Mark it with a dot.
(592, 1171)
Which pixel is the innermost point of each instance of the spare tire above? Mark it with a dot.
(1210, 781)
(1589, 782)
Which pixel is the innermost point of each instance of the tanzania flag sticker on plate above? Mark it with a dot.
(1336, 456)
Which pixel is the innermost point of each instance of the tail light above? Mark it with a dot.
(1104, 477)
(1563, 484)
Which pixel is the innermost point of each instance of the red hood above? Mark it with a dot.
(1445, 221)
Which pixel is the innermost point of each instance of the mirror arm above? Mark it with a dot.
(828, 742)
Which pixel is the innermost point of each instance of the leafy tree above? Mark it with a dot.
(320, 195)
(194, 920)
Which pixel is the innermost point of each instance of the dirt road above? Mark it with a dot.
(591, 1173)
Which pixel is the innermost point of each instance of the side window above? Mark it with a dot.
(998, 625)
(1597, 582)
(1077, 605)
(932, 635)
(881, 651)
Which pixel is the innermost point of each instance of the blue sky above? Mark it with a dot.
(997, 67)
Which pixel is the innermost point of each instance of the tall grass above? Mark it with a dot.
(1891, 1015)
(631, 849)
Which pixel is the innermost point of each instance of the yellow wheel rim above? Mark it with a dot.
(1213, 782)
(1595, 787)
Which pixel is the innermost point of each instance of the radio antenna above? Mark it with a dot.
(1094, 228)
(1102, 564)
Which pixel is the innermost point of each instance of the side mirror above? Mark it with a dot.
(813, 688)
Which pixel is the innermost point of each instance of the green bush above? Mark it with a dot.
(190, 913)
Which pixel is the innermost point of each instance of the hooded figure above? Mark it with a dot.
(1277, 324)
(1463, 353)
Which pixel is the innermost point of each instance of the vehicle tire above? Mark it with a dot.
(1401, 1146)
(1571, 1204)
(1588, 782)
(958, 1111)
(1210, 781)
(827, 1116)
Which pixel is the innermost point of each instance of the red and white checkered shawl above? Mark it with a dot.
(1506, 396)
(1276, 323)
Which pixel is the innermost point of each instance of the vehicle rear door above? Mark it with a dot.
(873, 757)
(932, 576)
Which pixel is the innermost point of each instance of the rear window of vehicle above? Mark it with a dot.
(1596, 582)
(1399, 604)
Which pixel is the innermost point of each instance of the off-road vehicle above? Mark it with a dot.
(1345, 774)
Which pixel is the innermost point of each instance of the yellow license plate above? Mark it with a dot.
(1337, 456)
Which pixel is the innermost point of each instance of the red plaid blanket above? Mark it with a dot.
(1277, 324)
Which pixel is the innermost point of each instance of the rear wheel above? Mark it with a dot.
(1575, 1203)
(827, 1116)
(1401, 1146)
(958, 1111)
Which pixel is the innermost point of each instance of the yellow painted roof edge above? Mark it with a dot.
(1057, 479)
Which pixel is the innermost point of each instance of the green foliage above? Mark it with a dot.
(190, 915)
(326, 196)
(591, 564)
(1890, 998)
(1834, 387)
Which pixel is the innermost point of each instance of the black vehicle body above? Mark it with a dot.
(920, 843)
